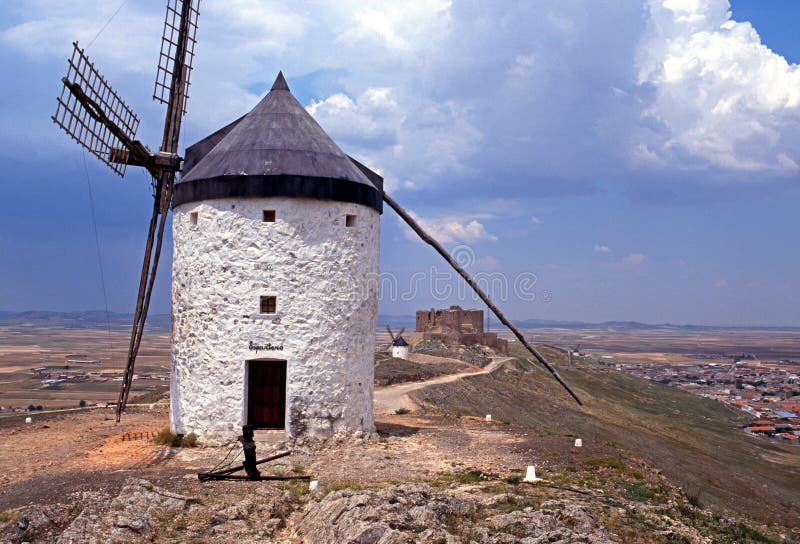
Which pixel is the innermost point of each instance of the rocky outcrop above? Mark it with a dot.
(404, 513)
(420, 513)
(413, 513)
(132, 516)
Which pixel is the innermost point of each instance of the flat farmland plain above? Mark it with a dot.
(674, 344)
(25, 348)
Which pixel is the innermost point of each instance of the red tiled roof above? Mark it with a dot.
(762, 429)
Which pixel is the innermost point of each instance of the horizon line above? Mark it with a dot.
(554, 322)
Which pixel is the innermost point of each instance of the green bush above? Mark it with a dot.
(607, 462)
(167, 438)
(638, 491)
(471, 477)
(344, 484)
(150, 397)
(402, 411)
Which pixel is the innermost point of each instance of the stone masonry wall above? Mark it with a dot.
(325, 278)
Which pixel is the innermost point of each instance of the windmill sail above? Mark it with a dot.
(97, 118)
(172, 82)
(175, 44)
(93, 114)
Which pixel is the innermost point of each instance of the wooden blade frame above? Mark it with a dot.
(98, 119)
(170, 49)
(93, 114)
(178, 75)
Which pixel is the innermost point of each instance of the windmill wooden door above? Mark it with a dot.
(266, 394)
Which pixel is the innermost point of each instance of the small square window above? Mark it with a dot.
(269, 216)
(349, 220)
(269, 305)
(193, 218)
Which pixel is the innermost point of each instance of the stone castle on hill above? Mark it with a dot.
(456, 326)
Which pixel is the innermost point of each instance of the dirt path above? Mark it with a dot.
(393, 397)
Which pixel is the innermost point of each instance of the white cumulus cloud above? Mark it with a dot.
(371, 120)
(722, 98)
(453, 228)
(440, 95)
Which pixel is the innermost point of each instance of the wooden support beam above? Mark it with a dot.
(428, 239)
(163, 197)
(155, 235)
(162, 161)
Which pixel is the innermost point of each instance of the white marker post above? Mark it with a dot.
(28, 420)
(578, 443)
(530, 475)
(313, 485)
(489, 418)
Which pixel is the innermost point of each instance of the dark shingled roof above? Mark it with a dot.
(399, 342)
(277, 149)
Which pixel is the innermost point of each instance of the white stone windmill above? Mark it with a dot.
(399, 344)
(276, 240)
(274, 281)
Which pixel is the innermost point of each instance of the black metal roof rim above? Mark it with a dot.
(286, 185)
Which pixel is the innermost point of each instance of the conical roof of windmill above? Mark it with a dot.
(277, 149)
(400, 342)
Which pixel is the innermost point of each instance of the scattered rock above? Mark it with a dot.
(37, 523)
(342, 437)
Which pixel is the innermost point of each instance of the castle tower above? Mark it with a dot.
(274, 284)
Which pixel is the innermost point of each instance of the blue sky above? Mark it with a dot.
(635, 160)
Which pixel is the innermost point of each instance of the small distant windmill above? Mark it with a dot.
(94, 115)
(399, 344)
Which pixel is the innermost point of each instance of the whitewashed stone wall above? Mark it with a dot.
(325, 278)
(400, 352)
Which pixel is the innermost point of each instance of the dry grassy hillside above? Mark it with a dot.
(696, 442)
